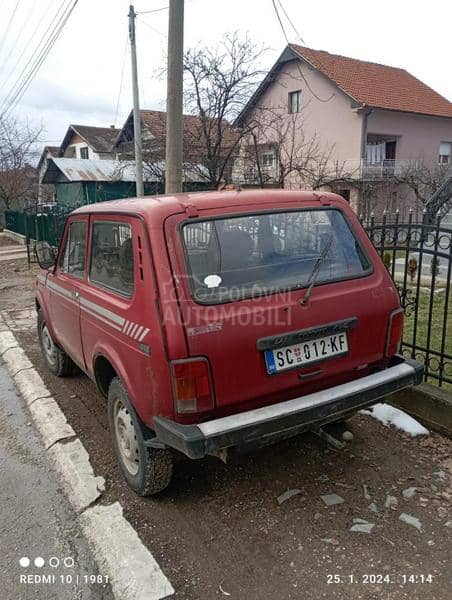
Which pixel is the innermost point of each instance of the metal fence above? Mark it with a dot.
(419, 259)
(37, 227)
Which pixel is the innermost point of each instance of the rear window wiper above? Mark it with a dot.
(316, 269)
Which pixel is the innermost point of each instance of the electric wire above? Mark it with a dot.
(28, 43)
(18, 36)
(44, 39)
(146, 12)
(143, 22)
(11, 19)
(297, 64)
(122, 77)
(42, 57)
(291, 22)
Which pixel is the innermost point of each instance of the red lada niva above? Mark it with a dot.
(219, 320)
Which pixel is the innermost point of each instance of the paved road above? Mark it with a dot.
(36, 521)
(219, 532)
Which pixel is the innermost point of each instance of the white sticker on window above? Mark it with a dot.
(212, 281)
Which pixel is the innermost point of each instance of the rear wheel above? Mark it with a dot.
(146, 470)
(57, 361)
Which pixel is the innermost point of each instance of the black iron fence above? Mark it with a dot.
(419, 259)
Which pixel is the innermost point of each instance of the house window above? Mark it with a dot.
(84, 152)
(268, 160)
(295, 101)
(445, 153)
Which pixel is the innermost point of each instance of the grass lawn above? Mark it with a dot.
(436, 330)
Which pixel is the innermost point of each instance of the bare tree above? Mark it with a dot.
(219, 82)
(18, 177)
(423, 178)
(298, 159)
(407, 189)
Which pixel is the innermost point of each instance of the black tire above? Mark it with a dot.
(146, 470)
(57, 361)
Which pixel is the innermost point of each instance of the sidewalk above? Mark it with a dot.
(10, 249)
(36, 521)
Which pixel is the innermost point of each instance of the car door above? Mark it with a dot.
(64, 289)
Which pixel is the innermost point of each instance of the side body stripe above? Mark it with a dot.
(108, 317)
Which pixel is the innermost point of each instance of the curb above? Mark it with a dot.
(16, 236)
(429, 404)
(133, 572)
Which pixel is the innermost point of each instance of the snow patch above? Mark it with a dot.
(389, 415)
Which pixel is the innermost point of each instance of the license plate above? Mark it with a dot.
(304, 353)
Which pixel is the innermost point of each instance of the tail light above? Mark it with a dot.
(192, 383)
(394, 333)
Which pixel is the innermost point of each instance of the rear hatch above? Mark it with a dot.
(281, 302)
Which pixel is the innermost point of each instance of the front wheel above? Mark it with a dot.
(147, 470)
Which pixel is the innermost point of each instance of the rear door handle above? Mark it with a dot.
(75, 294)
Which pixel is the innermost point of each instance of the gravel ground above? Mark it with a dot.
(17, 283)
(219, 531)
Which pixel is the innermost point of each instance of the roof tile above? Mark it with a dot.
(376, 85)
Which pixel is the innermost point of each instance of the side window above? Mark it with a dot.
(295, 102)
(73, 257)
(111, 264)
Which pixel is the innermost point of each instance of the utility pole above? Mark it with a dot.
(136, 105)
(174, 124)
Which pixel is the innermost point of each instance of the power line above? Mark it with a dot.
(18, 37)
(43, 40)
(143, 22)
(122, 77)
(27, 44)
(291, 23)
(8, 25)
(146, 12)
(297, 64)
(41, 58)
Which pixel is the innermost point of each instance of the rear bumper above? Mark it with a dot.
(285, 419)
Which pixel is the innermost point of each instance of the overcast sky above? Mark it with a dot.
(80, 80)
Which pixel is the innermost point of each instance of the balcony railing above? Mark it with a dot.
(381, 170)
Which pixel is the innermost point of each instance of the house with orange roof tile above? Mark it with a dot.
(372, 123)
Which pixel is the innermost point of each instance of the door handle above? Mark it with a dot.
(75, 295)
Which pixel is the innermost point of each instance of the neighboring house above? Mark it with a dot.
(198, 135)
(89, 143)
(84, 181)
(354, 125)
(45, 192)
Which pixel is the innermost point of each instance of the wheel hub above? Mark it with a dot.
(48, 345)
(126, 438)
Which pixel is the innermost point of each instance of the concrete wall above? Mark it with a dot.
(418, 136)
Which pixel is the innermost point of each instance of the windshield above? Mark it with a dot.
(251, 255)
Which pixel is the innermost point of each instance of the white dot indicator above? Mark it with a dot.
(39, 562)
(24, 562)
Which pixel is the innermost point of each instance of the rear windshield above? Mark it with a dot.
(244, 256)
